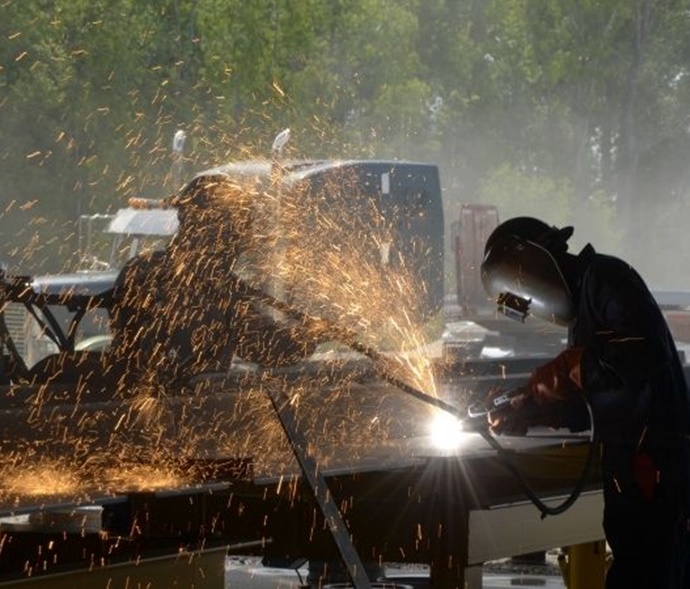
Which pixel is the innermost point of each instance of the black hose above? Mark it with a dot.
(349, 338)
(524, 485)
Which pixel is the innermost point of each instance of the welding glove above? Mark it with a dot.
(545, 400)
(557, 380)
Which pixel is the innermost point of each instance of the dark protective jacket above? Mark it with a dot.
(631, 373)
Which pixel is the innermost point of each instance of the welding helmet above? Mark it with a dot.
(521, 270)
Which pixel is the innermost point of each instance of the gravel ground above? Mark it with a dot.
(509, 573)
(248, 573)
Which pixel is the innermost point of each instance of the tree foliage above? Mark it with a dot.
(578, 111)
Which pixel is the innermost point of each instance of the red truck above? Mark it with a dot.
(468, 236)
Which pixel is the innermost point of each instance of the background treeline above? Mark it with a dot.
(575, 110)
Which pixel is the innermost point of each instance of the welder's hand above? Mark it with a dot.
(545, 398)
(511, 419)
(524, 412)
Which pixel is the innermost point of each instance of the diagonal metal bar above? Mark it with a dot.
(322, 494)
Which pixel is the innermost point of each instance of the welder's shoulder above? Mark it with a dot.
(608, 279)
(601, 262)
(610, 269)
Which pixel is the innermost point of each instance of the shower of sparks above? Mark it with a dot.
(332, 256)
(145, 477)
(43, 478)
(338, 257)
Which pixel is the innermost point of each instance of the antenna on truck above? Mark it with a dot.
(178, 158)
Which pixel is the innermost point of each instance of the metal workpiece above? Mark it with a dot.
(213, 463)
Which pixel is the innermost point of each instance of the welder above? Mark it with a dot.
(621, 360)
(181, 311)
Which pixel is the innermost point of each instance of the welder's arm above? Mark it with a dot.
(557, 380)
(631, 341)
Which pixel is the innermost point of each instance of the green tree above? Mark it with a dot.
(503, 94)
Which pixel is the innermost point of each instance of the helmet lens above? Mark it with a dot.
(517, 269)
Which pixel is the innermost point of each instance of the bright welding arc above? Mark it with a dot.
(348, 338)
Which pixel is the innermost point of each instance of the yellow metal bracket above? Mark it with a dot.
(583, 566)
